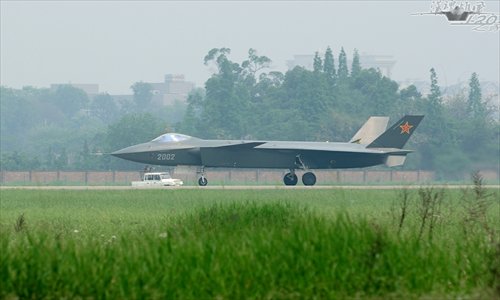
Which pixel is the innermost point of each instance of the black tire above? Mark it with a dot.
(290, 179)
(309, 178)
(202, 181)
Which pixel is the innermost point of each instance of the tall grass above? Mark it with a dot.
(242, 245)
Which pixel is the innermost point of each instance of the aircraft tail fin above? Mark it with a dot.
(398, 134)
(373, 128)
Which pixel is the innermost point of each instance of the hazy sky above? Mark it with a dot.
(118, 43)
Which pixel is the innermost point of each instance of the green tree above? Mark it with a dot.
(61, 160)
(226, 99)
(219, 56)
(475, 106)
(69, 99)
(435, 98)
(306, 93)
(410, 101)
(410, 93)
(439, 138)
(378, 95)
(19, 161)
(18, 114)
(192, 123)
(329, 65)
(317, 63)
(251, 88)
(343, 72)
(143, 94)
(87, 159)
(434, 110)
(433, 107)
(254, 64)
(356, 66)
(104, 107)
(133, 129)
(478, 130)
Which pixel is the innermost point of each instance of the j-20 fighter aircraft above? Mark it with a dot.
(371, 145)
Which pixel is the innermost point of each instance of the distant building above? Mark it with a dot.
(90, 89)
(174, 89)
(384, 63)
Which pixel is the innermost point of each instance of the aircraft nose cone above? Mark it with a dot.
(119, 153)
(128, 153)
(122, 153)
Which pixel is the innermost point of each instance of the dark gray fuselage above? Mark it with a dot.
(254, 154)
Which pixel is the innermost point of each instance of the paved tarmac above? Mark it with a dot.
(247, 187)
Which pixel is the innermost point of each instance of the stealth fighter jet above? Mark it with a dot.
(457, 14)
(370, 146)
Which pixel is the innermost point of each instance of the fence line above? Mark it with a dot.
(258, 176)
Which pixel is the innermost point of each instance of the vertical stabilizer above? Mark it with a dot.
(372, 129)
(398, 134)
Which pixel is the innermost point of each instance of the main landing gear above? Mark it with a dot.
(307, 179)
(290, 178)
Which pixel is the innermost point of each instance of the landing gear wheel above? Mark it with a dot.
(202, 181)
(308, 178)
(290, 179)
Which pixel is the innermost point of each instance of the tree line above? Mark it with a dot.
(64, 129)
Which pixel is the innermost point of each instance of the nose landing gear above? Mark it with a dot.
(202, 181)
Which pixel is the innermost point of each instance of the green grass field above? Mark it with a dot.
(257, 244)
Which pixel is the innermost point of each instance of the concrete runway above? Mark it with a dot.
(247, 187)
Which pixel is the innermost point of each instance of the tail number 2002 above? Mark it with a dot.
(165, 156)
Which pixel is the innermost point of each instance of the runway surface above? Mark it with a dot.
(247, 187)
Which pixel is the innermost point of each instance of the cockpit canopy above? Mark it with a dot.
(171, 137)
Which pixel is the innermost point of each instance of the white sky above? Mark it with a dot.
(117, 43)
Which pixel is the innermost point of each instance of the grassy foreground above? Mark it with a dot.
(282, 244)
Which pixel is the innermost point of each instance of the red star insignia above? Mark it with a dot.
(405, 128)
